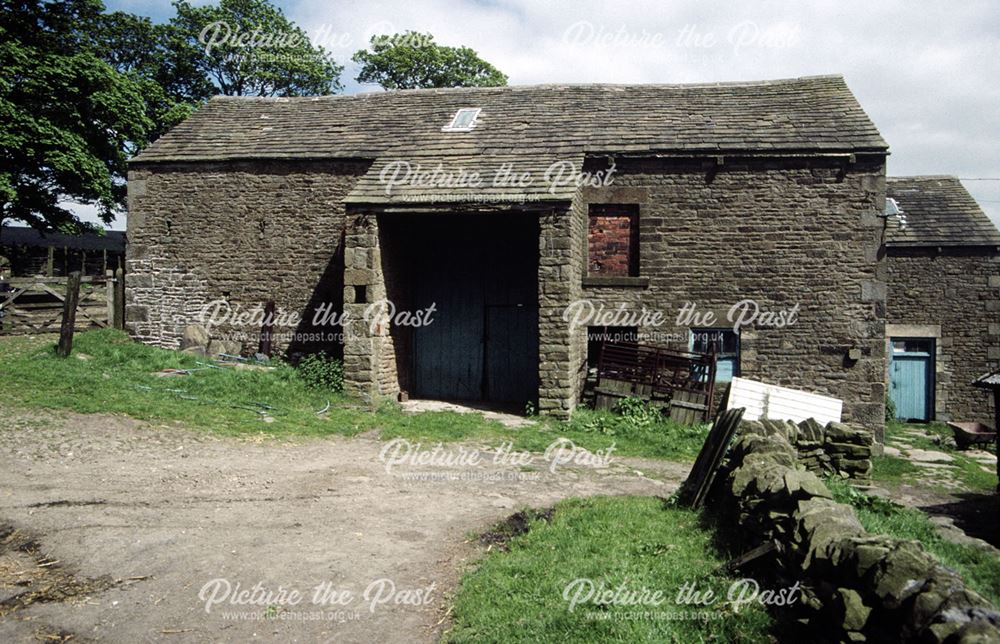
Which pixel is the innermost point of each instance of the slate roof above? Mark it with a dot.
(111, 240)
(939, 212)
(814, 114)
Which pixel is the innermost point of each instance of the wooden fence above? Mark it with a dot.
(34, 305)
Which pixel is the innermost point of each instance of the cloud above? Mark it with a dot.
(925, 73)
(926, 76)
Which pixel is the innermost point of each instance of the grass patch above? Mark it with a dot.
(978, 566)
(517, 595)
(893, 469)
(968, 472)
(109, 373)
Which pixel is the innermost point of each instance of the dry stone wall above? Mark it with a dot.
(855, 586)
(835, 449)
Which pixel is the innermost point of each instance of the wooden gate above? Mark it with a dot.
(34, 305)
(684, 381)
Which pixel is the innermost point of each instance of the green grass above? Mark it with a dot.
(109, 373)
(937, 437)
(893, 469)
(978, 566)
(518, 596)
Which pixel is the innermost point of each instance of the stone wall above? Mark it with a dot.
(240, 232)
(562, 350)
(953, 296)
(836, 449)
(855, 587)
(782, 232)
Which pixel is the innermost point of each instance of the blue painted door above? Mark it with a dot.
(911, 377)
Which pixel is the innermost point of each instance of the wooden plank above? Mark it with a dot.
(748, 557)
(730, 421)
(688, 407)
(13, 296)
(109, 293)
(69, 315)
(699, 482)
(41, 279)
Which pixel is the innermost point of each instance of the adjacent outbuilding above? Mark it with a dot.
(943, 304)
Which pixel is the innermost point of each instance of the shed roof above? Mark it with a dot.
(813, 115)
(111, 240)
(939, 212)
(989, 380)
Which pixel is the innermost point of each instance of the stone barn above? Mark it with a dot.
(507, 226)
(943, 323)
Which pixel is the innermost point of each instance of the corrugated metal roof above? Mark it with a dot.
(112, 240)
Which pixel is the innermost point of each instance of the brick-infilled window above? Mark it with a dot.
(613, 240)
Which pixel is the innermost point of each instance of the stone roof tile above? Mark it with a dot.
(814, 114)
(939, 212)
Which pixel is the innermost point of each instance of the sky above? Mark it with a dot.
(926, 72)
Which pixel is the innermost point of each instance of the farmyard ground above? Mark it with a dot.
(152, 513)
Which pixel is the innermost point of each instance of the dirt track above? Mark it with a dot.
(114, 527)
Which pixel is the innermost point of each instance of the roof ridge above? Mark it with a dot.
(922, 177)
(536, 86)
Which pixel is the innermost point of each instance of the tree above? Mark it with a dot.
(67, 118)
(173, 86)
(81, 91)
(412, 60)
(249, 47)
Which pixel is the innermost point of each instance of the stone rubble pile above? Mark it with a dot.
(198, 341)
(855, 587)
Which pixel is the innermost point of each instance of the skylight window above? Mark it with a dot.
(464, 120)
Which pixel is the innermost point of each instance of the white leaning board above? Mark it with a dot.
(762, 400)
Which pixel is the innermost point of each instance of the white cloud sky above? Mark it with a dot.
(925, 72)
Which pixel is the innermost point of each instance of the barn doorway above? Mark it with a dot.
(480, 273)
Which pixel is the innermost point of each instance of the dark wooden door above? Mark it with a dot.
(512, 353)
(481, 273)
(448, 354)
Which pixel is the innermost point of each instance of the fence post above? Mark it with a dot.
(119, 315)
(265, 345)
(69, 314)
(109, 296)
